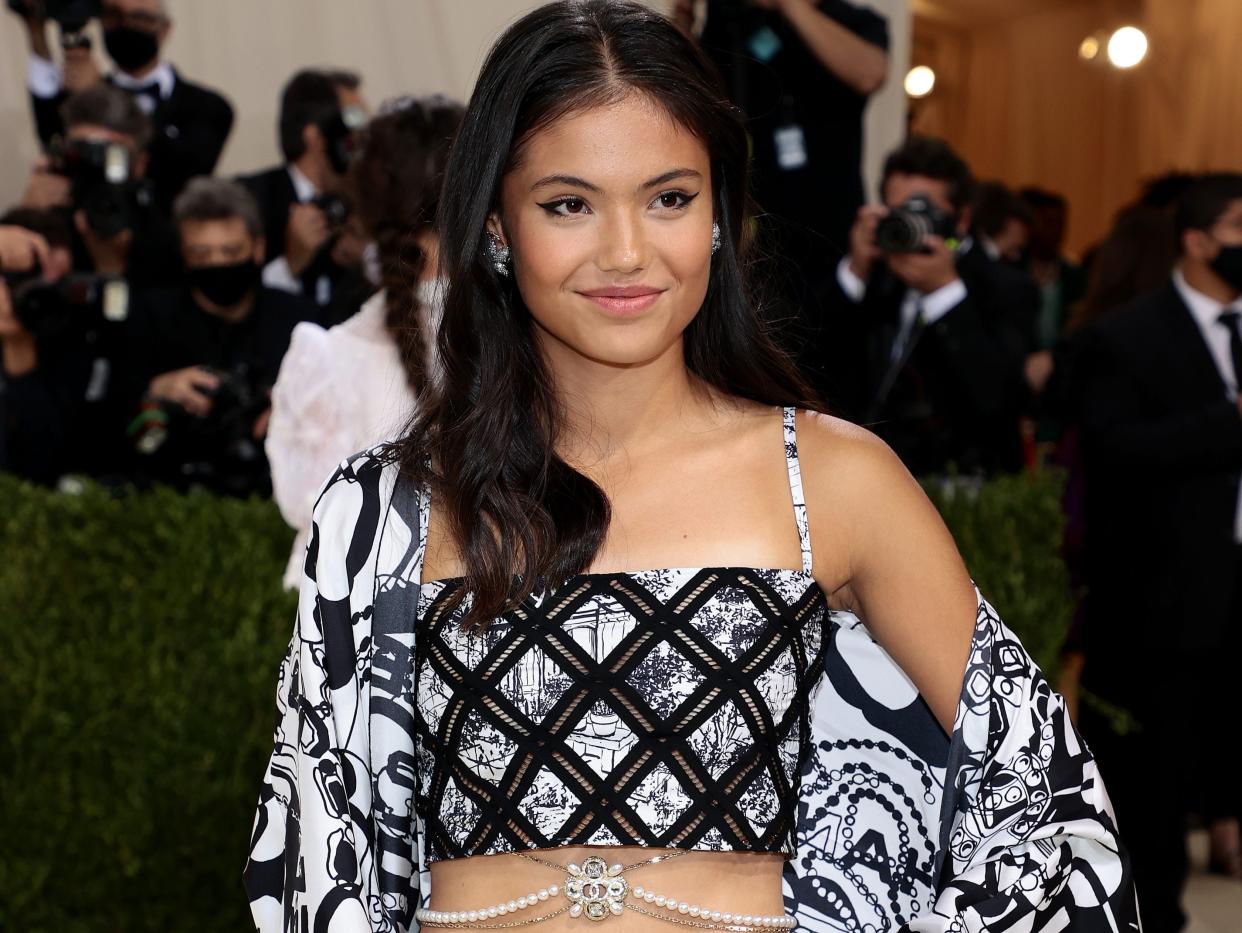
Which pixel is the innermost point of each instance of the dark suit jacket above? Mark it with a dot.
(960, 393)
(1163, 446)
(274, 192)
(190, 129)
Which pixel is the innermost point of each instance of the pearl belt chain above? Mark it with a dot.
(598, 891)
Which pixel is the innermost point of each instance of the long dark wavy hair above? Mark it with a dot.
(394, 186)
(485, 440)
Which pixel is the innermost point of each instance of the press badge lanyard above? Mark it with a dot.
(788, 139)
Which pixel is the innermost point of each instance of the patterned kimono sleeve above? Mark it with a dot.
(1032, 845)
(311, 862)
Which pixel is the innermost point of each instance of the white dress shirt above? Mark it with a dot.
(44, 80)
(303, 188)
(931, 306)
(1206, 313)
(277, 274)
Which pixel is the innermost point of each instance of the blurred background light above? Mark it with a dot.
(1127, 47)
(920, 81)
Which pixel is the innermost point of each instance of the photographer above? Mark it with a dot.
(313, 249)
(925, 335)
(97, 176)
(802, 71)
(58, 331)
(191, 123)
(204, 357)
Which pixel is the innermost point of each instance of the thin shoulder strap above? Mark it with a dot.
(795, 486)
(424, 518)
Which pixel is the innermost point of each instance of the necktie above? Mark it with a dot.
(147, 95)
(903, 347)
(1229, 318)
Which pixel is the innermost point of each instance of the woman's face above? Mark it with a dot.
(609, 219)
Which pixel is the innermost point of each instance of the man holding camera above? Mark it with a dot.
(58, 335)
(203, 358)
(313, 248)
(925, 336)
(190, 123)
(96, 175)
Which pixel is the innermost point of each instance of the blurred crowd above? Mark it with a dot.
(162, 324)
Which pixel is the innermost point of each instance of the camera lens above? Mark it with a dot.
(901, 232)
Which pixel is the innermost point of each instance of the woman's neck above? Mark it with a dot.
(622, 411)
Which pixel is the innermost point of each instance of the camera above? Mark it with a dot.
(71, 15)
(77, 303)
(218, 451)
(335, 210)
(905, 229)
(102, 184)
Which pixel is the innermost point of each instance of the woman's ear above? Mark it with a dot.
(496, 228)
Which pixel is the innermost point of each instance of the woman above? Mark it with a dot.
(494, 713)
(353, 385)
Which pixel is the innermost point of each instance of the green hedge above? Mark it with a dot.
(139, 640)
(1009, 531)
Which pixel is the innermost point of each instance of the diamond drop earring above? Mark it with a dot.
(498, 253)
(715, 238)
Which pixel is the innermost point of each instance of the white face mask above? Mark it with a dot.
(371, 264)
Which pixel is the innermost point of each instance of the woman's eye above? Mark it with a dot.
(674, 200)
(565, 207)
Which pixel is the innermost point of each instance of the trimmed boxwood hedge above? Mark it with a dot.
(139, 641)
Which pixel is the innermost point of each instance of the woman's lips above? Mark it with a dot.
(624, 301)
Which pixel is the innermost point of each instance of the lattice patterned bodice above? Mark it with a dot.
(662, 708)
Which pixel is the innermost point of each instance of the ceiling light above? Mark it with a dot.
(1127, 47)
(920, 81)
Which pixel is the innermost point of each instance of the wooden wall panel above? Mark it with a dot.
(1024, 108)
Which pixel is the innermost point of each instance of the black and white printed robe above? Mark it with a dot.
(1005, 826)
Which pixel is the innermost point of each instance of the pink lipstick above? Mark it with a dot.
(624, 300)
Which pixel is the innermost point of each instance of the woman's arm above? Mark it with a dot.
(906, 579)
(1027, 837)
(854, 60)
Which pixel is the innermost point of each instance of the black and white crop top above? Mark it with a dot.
(665, 708)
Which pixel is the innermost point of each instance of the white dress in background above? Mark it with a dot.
(339, 391)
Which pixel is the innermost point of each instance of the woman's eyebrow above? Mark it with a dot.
(574, 181)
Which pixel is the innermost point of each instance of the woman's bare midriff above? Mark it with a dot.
(740, 883)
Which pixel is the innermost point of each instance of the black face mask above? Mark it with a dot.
(225, 286)
(1228, 265)
(131, 48)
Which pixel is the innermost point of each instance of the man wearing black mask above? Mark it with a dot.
(1162, 433)
(191, 123)
(204, 358)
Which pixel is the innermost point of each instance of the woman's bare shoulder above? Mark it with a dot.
(903, 574)
(841, 460)
(853, 476)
